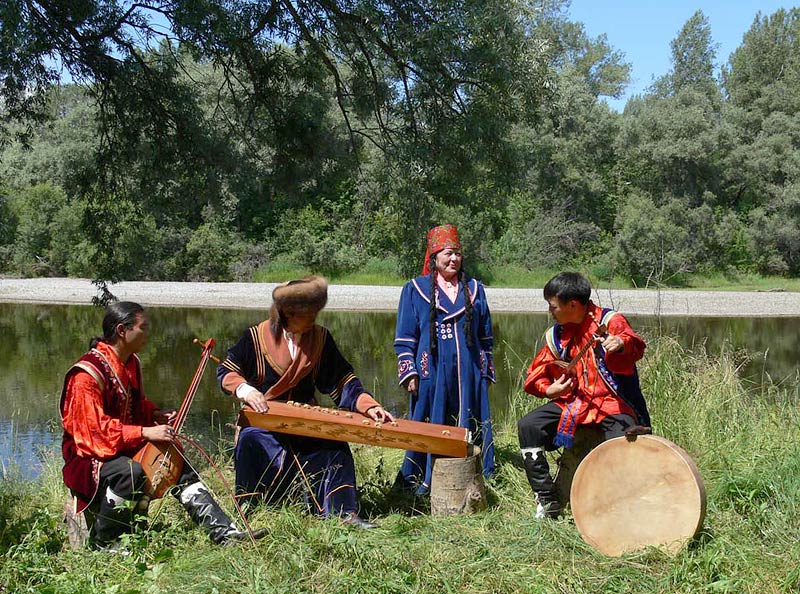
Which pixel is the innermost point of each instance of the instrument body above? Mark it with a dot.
(163, 462)
(341, 425)
(631, 493)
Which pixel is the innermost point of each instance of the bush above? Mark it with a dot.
(211, 253)
(121, 242)
(774, 234)
(322, 239)
(661, 243)
(541, 235)
(47, 230)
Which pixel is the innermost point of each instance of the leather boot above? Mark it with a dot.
(206, 513)
(353, 519)
(114, 518)
(538, 473)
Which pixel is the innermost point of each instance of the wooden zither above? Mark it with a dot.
(341, 425)
(631, 493)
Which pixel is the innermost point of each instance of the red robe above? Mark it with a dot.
(601, 401)
(103, 410)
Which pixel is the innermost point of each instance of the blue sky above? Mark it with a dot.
(643, 29)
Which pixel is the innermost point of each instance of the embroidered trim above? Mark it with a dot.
(404, 366)
(259, 349)
(424, 364)
(228, 364)
(336, 394)
(116, 384)
(93, 371)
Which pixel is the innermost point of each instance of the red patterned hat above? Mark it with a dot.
(440, 238)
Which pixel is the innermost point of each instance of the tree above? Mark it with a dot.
(673, 139)
(693, 55)
(396, 68)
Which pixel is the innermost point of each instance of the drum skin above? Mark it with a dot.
(630, 494)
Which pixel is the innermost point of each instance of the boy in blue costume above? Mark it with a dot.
(287, 357)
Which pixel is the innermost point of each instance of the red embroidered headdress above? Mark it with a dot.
(439, 238)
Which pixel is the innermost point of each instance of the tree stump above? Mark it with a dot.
(457, 486)
(77, 526)
(587, 438)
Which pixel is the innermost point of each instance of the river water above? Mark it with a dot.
(38, 343)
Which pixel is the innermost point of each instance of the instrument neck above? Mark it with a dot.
(183, 411)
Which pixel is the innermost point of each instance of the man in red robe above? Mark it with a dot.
(602, 388)
(107, 418)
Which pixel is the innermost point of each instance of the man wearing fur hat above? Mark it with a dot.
(284, 358)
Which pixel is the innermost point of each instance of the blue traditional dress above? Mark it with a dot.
(453, 384)
(268, 462)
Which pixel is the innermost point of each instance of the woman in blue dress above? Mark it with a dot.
(444, 352)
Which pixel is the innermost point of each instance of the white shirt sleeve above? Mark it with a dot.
(243, 390)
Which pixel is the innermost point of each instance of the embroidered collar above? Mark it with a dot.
(423, 286)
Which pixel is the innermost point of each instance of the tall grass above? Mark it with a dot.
(745, 444)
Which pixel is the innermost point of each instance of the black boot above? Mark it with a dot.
(206, 513)
(114, 518)
(538, 473)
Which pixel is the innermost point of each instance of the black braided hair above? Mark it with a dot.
(467, 308)
(434, 334)
(117, 312)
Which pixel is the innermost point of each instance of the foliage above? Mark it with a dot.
(660, 243)
(213, 140)
(46, 228)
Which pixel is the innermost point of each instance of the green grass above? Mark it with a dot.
(384, 272)
(746, 445)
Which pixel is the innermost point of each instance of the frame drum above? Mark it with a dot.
(631, 494)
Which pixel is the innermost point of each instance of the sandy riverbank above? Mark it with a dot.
(363, 298)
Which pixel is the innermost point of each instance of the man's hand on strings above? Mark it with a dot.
(257, 401)
(560, 386)
(164, 416)
(379, 414)
(159, 433)
(612, 343)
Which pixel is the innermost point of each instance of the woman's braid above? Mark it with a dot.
(467, 309)
(434, 335)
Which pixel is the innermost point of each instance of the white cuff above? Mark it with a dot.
(244, 389)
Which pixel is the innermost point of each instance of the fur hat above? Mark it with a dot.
(306, 295)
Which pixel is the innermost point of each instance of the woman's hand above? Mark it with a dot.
(560, 386)
(161, 433)
(379, 414)
(412, 384)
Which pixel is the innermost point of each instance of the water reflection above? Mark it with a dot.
(39, 342)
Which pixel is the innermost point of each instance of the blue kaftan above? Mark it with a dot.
(268, 462)
(453, 385)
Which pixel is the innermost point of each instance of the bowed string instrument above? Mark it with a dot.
(163, 462)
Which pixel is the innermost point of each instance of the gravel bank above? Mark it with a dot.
(360, 298)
